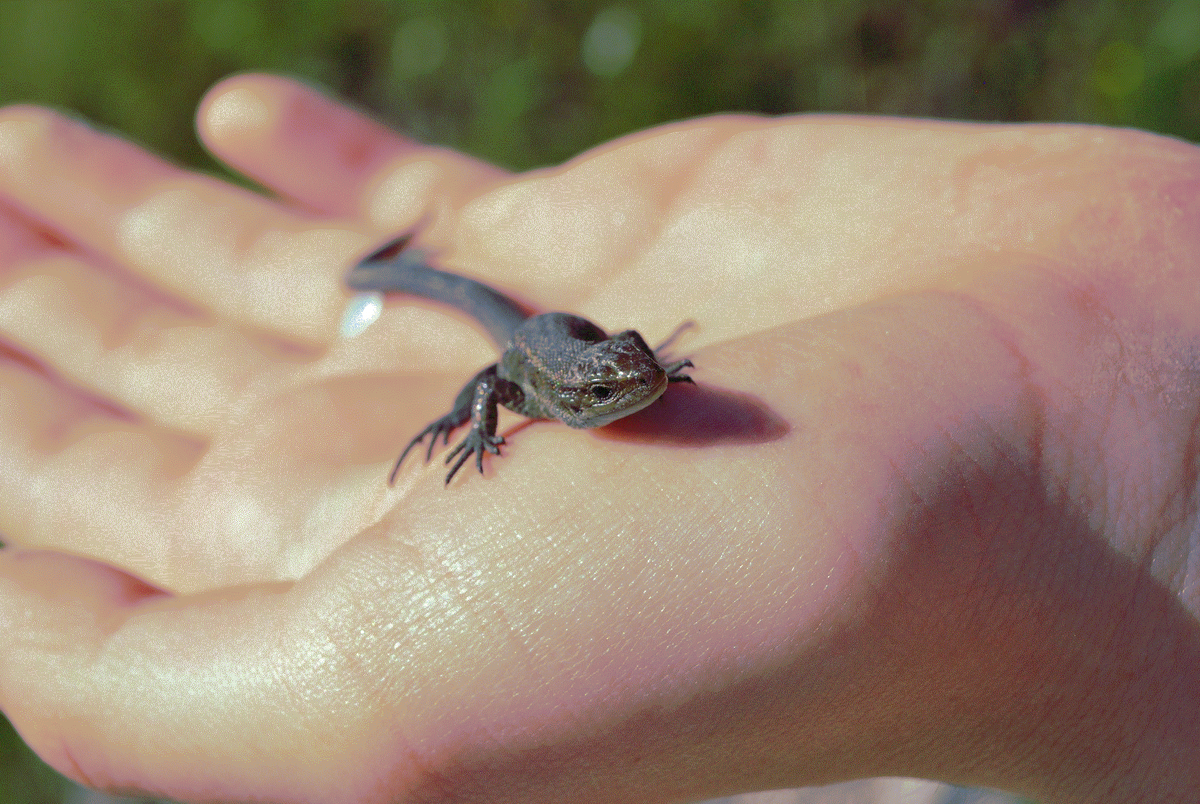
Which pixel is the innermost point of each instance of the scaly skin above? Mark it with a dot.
(553, 366)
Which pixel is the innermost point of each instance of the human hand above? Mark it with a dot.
(949, 537)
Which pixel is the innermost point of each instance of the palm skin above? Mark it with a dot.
(929, 511)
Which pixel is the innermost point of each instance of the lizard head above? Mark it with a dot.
(609, 379)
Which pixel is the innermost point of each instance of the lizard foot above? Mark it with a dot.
(477, 442)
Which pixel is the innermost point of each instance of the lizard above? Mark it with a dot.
(552, 365)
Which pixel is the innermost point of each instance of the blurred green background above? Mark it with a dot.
(525, 83)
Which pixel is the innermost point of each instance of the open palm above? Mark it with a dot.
(934, 363)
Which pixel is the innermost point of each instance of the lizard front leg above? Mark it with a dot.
(490, 390)
(462, 410)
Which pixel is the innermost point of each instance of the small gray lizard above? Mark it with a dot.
(553, 366)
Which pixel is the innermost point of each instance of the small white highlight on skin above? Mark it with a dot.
(362, 311)
(237, 110)
(403, 195)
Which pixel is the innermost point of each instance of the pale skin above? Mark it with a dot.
(953, 533)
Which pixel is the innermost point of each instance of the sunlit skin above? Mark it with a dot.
(929, 510)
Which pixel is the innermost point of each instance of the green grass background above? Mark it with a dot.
(527, 83)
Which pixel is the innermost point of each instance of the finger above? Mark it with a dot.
(220, 248)
(124, 342)
(79, 475)
(307, 147)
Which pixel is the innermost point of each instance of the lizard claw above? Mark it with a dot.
(440, 427)
(477, 442)
(674, 368)
(674, 371)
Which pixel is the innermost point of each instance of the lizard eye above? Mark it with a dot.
(601, 392)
